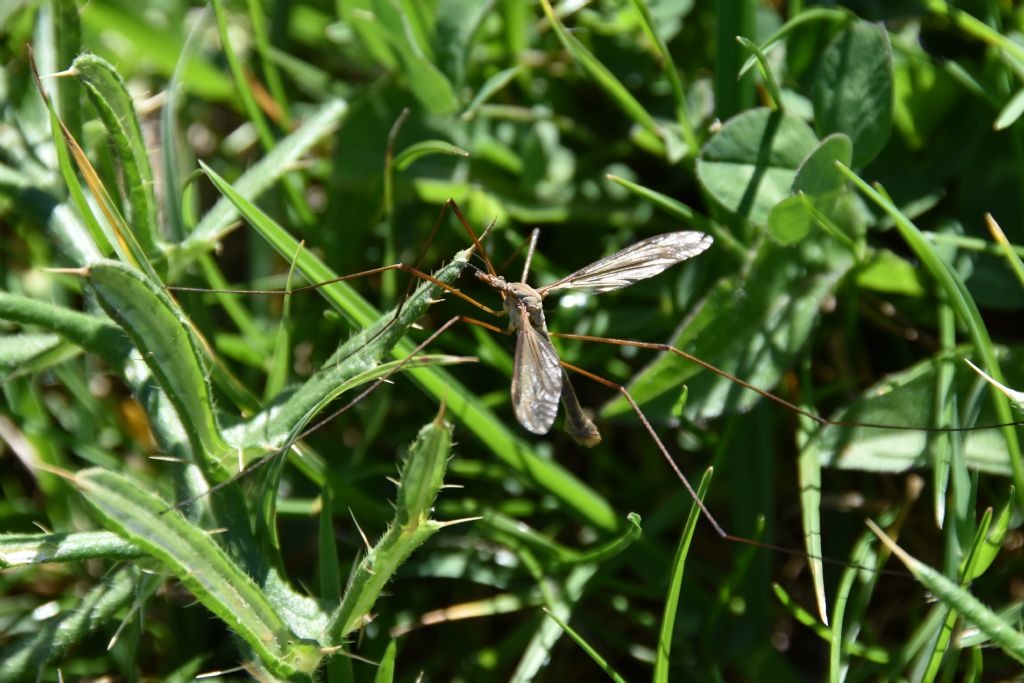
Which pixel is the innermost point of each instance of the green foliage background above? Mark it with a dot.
(267, 145)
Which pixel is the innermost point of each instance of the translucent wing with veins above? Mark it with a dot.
(536, 378)
(637, 262)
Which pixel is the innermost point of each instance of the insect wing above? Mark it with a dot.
(637, 262)
(536, 378)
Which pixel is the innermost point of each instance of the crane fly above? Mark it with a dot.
(538, 379)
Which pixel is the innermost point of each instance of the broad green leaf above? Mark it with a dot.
(750, 332)
(854, 89)
(790, 221)
(889, 273)
(924, 93)
(750, 164)
(904, 400)
(822, 186)
(818, 174)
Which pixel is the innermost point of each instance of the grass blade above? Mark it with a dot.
(668, 621)
(604, 78)
(264, 173)
(1002, 633)
(586, 647)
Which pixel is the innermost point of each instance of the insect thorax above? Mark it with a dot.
(521, 295)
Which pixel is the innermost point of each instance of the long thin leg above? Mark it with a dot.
(477, 243)
(415, 272)
(657, 440)
(772, 397)
(472, 235)
(266, 458)
(693, 494)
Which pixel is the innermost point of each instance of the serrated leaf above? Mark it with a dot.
(158, 330)
(425, 466)
(109, 95)
(201, 565)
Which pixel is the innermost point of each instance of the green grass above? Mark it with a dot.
(843, 163)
